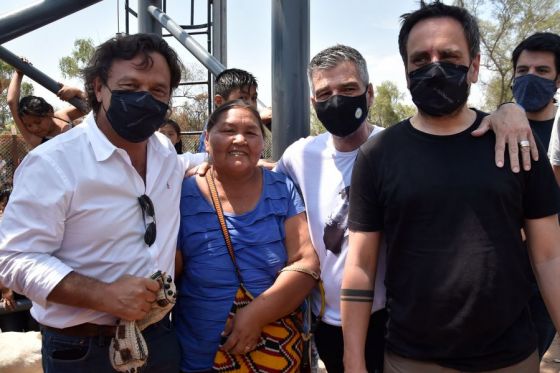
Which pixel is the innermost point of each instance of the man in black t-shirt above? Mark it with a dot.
(536, 65)
(456, 280)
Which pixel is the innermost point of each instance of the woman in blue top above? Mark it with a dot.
(268, 227)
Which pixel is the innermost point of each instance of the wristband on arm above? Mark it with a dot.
(356, 295)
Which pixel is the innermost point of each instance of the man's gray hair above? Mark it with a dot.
(333, 56)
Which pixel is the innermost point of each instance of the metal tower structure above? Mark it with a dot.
(290, 50)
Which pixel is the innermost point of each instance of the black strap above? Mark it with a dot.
(220, 213)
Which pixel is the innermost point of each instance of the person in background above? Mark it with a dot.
(268, 227)
(234, 84)
(172, 130)
(14, 320)
(457, 284)
(536, 66)
(554, 147)
(35, 118)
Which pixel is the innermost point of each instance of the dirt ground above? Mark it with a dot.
(551, 360)
(548, 363)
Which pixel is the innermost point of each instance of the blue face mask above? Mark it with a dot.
(135, 116)
(533, 92)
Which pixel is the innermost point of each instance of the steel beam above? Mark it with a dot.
(197, 50)
(219, 30)
(40, 77)
(201, 54)
(290, 56)
(29, 18)
(146, 23)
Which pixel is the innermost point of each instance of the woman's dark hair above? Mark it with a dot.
(33, 105)
(177, 129)
(126, 48)
(234, 104)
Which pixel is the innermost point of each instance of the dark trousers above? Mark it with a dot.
(66, 354)
(398, 364)
(330, 344)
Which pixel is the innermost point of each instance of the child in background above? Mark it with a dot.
(172, 130)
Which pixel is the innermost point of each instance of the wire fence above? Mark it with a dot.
(13, 149)
(190, 141)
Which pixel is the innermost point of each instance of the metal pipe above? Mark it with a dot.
(29, 18)
(290, 56)
(205, 58)
(210, 87)
(126, 20)
(40, 77)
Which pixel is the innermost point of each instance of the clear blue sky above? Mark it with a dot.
(369, 26)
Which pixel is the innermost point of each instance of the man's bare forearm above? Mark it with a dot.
(356, 295)
(128, 298)
(79, 291)
(547, 278)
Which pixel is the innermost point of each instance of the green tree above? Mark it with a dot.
(71, 66)
(192, 115)
(193, 112)
(388, 108)
(316, 127)
(503, 25)
(5, 77)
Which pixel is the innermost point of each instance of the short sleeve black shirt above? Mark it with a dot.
(457, 284)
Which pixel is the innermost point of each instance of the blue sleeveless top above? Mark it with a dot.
(208, 283)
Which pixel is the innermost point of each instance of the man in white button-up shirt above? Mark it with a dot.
(75, 239)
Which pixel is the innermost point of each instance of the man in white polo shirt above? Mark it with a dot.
(79, 235)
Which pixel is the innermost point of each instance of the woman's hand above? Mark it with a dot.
(243, 332)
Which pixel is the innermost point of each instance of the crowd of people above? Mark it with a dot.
(436, 240)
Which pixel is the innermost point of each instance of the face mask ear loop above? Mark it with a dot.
(110, 90)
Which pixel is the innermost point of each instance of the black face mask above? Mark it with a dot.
(135, 116)
(439, 88)
(342, 115)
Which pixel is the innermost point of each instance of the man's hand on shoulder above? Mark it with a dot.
(269, 165)
(199, 170)
(511, 126)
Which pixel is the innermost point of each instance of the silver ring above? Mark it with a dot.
(524, 144)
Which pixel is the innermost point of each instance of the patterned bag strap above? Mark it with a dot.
(220, 213)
